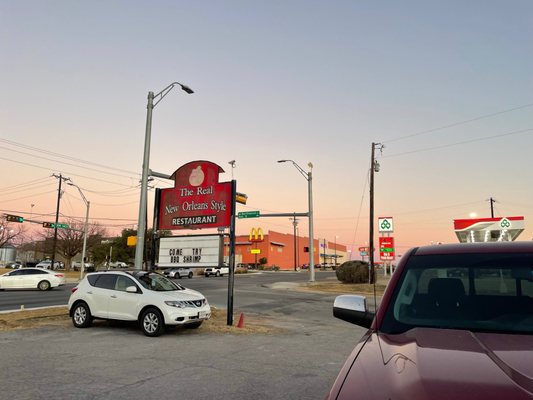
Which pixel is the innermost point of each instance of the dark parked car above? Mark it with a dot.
(441, 334)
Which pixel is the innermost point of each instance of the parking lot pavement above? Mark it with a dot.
(117, 362)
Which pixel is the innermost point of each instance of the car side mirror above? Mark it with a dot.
(352, 308)
(131, 289)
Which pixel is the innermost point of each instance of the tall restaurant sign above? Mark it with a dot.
(197, 199)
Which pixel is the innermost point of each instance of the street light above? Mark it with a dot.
(232, 163)
(85, 228)
(141, 222)
(335, 249)
(309, 177)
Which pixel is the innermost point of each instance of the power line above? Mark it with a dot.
(25, 189)
(115, 193)
(28, 196)
(30, 183)
(459, 143)
(66, 163)
(36, 149)
(70, 173)
(460, 123)
(367, 175)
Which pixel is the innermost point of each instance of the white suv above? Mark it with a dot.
(147, 297)
(217, 271)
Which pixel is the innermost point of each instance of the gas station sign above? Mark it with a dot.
(386, 248)
(385, 224)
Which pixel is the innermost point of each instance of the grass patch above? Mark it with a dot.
(253, 324)
(335, 286)
(58, 317)
(344, 288)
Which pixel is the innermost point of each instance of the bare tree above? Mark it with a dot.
(11, 233)
(70, 241)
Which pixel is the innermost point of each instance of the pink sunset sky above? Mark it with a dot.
(447, 88)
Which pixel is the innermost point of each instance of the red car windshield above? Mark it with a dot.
(477, 292)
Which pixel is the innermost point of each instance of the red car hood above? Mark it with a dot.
(433, 364)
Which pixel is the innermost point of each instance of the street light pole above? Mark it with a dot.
(295, 224)
(335, 250)
(141, 222)
(309, 177)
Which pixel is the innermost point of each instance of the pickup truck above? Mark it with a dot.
(217, 271)
(455, 322)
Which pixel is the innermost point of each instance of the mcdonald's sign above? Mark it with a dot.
(256, 235)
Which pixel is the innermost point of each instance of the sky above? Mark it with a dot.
(446, 87)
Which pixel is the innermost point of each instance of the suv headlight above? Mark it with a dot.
(188, 303)
(176, 303)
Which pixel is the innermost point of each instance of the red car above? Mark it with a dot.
(455, 322)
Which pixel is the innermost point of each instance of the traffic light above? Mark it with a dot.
(241, 198)
(14, 218)
(49, 225)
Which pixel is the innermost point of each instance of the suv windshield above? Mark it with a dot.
(159, 283)
(477, 292)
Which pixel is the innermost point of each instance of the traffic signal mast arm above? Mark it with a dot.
(14, 218)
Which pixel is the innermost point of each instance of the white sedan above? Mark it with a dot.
(31, 278)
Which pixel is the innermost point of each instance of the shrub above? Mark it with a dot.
(353, 272)
(263, 260)
(274, 268)
(240, 270)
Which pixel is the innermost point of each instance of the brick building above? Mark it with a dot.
(278, 249)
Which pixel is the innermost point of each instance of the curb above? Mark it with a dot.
(32, 308)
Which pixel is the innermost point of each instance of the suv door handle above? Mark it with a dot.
(113, 296)
(89, 292)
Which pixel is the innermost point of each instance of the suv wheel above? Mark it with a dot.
(190, 275)
(81, 316)
(152, 322)
(43, 285)
(218, 273)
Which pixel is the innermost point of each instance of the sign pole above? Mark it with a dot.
(231, 278)
(155, 228)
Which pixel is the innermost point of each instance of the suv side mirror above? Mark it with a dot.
(352, 308)
(131, 289)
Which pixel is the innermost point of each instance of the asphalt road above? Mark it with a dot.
(13, 299)
(115, 361)
(215, 289)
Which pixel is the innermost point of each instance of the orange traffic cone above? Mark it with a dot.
(241, 321)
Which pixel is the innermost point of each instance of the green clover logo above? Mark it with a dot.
(385, 224)
(505, 223)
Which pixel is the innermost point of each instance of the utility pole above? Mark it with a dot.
(374, 167)
(325, 255)
(295, 224)
(335, 250)
(492, 201)
(61, 179)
